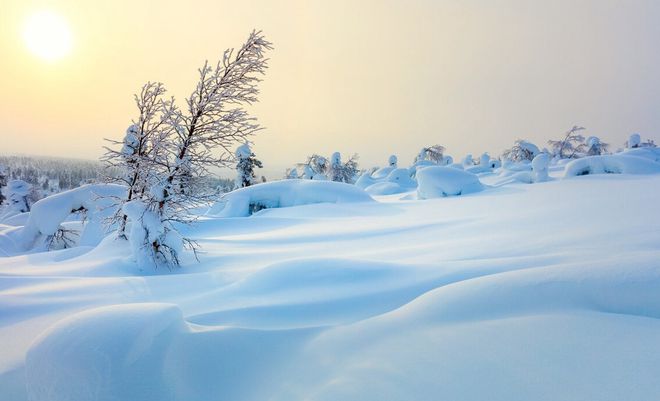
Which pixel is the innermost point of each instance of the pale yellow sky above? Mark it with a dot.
(370, 77)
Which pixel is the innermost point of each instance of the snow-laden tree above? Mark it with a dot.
(3, 183)
(393, 161)
(183, 145)
(433, 154)
(246, 163)
(521, 150)
(635, 141)
(291, 174)
(570, 146)
(316, 167)
(142, 156)
(468, 160)
(594, 146)
(343, 172)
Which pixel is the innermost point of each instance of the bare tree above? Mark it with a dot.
(179, 146)
(433, 153)
(143, 151)
(570, 146)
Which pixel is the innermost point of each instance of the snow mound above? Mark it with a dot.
(437, 181)
(246, 201)
(48, 214)
(611, 164)
(397, 181)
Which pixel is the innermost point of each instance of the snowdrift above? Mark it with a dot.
(437, 182)
(623, 163)
(47, 215)
(397, 181)
(246, 201)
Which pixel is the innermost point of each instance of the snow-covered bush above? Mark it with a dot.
(247, 161)
(342, 172)
(433, 154)
(595, 147)
(621, 163)
(3, 183)
(570, 146)
(521, 151)
(17, 193)
(392, 161)
(540, 167)
(635, 141)
(286, 193)
(439, 181)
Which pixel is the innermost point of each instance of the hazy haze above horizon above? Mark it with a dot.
(369, 77)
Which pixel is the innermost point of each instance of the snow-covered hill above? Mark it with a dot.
(548, 291)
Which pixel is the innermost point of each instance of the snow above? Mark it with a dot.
(521, 292)
(47, 215)
(611, 164)
(439, 181)
(244, 201)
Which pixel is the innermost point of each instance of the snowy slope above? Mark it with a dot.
(548, 291)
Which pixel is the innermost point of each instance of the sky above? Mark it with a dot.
(368, 77)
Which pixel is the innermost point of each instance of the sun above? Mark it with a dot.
(47, 35)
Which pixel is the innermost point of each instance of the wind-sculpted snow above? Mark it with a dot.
(243, 202)
(524, 292)
(437, 182)
(623, 163)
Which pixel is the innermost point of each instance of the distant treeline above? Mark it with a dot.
(53, 174)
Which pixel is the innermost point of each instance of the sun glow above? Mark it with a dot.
(47, 35)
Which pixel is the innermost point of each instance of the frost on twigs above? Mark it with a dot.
(168, 149)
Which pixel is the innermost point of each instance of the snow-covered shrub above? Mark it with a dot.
(247, 161)
(635, 141)
(468, 161)
(540, 167)
(342, 172)
(570, 146)
(392, 161)
(17, 193)
(291, 174)
(595, 147)
(286, 193)
(439, 181)
(316, 168)
(621, 163)
(3, 183)
(521, 151)
(433, 154)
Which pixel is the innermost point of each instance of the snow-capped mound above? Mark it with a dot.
(540, 165)
(382, 172)
(437, 181)
(48, 214)
(365, 180)
(245, 201)
(396, 182)
(648, 153)
(611, 164)
(384, 188)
